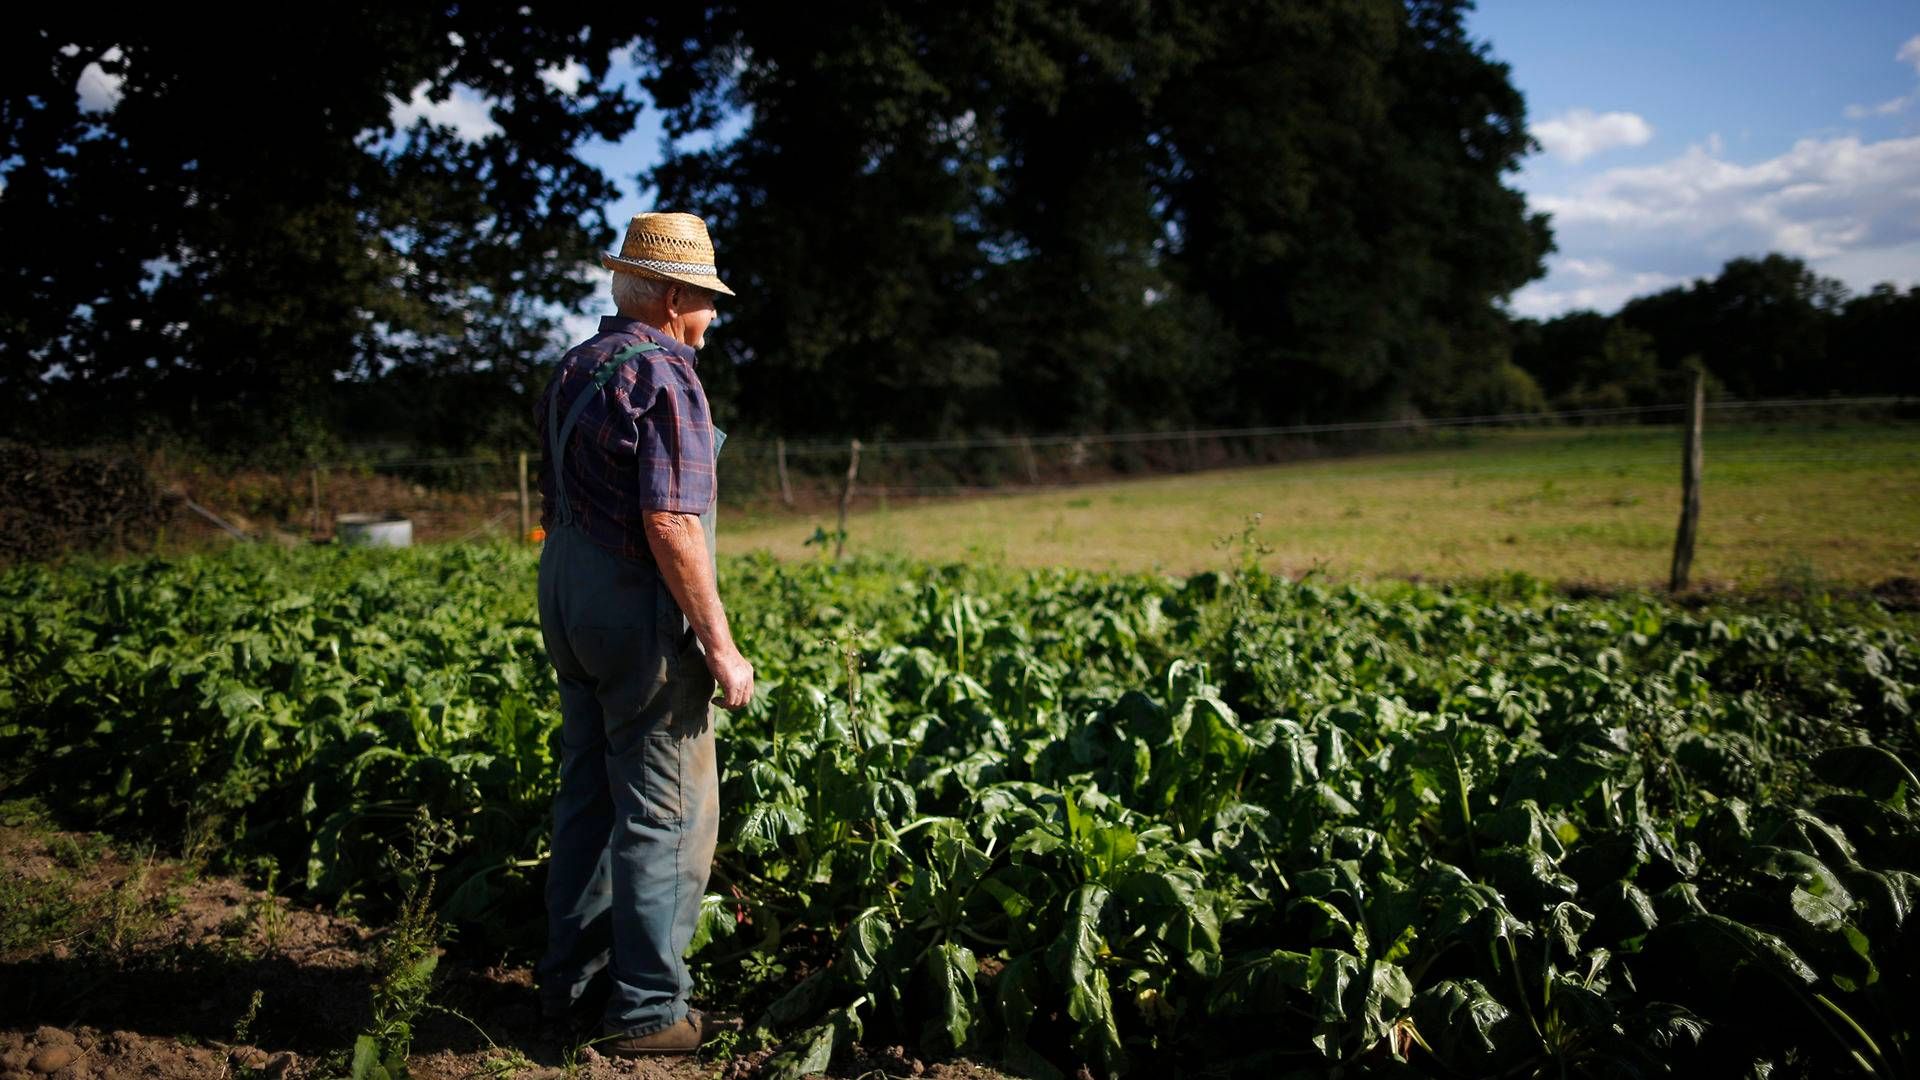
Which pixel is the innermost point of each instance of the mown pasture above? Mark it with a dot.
(1784, 504)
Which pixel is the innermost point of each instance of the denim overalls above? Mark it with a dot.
(638, 811)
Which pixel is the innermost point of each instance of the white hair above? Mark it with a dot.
(633, 293)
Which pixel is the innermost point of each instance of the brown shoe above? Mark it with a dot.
(682, 1038)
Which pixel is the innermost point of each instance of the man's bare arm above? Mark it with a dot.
(679, 547)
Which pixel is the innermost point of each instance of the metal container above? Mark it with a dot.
(373, 530)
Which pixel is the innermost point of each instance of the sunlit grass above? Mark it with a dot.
(1837, 504)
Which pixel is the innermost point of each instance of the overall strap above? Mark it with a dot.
(557, 434)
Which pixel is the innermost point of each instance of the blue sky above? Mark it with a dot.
(1680, 134)
(1676, 135)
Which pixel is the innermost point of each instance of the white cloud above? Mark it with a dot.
(576, 328)
(567, 79)
(1600, 287)
(1861, 270)
(1885, 108)
(1849, 207)
(1908, 53)
(1577, 135)
(1586, 269)
(99, 91)
(1819, 199)
(465, 111)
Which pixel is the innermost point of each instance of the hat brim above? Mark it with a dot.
(628, 266)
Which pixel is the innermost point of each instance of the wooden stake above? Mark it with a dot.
(1033, 470)
(526, 504)
(846, 496)
(780, 457)
(1690, 466)
(313, 482)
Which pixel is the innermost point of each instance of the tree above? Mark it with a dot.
(984, 214)
(846, 212)
(243, 229)
(1874, 343)
(1561, 352)
(1585, 360)
(1770, 317)
(1085, 214)
(1760, 326)
(1342, 190)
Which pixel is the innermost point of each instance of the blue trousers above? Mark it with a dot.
(638, 811)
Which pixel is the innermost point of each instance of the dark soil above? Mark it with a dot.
(56, 502)
(117, 964)
(1899, 594)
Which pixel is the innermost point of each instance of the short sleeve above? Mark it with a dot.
(675, 446)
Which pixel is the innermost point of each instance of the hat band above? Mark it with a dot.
(665, 267)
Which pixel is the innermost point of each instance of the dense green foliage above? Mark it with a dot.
(1058, 817)
(1048, 217)
(235, 246)
(1006, 214)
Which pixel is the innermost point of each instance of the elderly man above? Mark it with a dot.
(634, 627)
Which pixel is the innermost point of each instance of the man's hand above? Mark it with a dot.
(733, 677)
(680, 552)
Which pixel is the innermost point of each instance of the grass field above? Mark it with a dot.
(1792, 505)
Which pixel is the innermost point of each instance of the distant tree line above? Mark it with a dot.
(980, 216)
(1765, 327)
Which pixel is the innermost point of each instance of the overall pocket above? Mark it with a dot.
(662, 778)
(628, 667)
(690, 688)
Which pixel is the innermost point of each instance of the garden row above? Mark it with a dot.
(1055, 818)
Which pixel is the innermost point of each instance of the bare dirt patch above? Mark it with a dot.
(114, 963)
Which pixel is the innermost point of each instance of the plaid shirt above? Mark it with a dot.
(646, 444)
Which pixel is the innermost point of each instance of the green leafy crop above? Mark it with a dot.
(1059, 818)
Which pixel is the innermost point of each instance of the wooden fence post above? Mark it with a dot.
(780, 457)
(1690, 465)
(313, 483)
(526, 504)
(1033, 469)
(846, 496)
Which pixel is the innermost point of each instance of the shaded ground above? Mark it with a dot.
(116, 964)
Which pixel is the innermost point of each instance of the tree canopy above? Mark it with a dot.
(987, 214)
(244, 229)
(1096, 214)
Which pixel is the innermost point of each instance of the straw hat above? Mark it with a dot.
(670, 247)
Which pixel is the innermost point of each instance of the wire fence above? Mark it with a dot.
(58, 501)
(800, 472)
